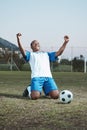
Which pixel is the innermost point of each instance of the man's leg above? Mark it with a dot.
(50, 88)
(36, 87)
(35, 95)
(54, 94)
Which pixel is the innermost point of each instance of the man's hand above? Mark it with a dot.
(18, 35)
(66, 39)
(62, 48)
(19, 44)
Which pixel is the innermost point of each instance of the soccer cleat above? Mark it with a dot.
(27, 92)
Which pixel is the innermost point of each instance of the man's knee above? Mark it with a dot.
(35, 95)
(54, 94)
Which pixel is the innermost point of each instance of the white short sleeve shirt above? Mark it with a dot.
(40, 63)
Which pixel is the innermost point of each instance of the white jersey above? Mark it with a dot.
(39, 63)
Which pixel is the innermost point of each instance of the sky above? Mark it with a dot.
(44, 20)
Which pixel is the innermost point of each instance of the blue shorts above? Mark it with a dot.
(43, 83)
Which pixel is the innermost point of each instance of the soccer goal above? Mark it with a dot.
(84, 65)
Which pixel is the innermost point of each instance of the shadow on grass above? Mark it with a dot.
(20, 96)
(13, 96)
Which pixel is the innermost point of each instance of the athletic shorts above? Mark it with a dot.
(43, 83)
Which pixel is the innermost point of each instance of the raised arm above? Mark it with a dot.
(19, 44)
(62, 48)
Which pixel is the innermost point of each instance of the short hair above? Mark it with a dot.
(32, 42)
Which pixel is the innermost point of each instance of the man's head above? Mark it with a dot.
(35, 45)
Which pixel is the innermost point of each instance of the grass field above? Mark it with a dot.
(19, 113)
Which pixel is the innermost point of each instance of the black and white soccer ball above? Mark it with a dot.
(66, 96)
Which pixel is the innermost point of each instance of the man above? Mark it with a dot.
(41, 77)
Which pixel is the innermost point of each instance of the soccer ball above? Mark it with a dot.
(66, 96)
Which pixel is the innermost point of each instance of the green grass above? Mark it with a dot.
(18, 113)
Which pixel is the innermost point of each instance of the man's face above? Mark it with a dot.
(35, 46)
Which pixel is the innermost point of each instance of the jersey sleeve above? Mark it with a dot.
(27, 56)
(52, 56)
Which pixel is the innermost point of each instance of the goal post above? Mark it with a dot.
(84, 65)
